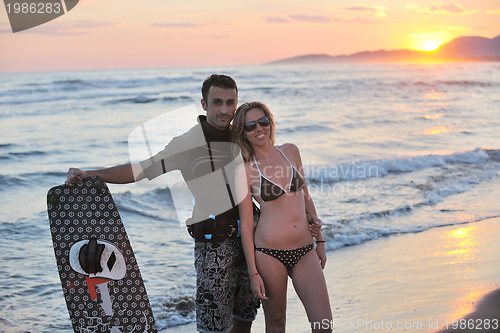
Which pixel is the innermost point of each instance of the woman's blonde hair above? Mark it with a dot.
(239, 122)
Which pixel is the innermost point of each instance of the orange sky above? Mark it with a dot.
(161, 33)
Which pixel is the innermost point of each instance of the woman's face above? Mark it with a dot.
(260, 135)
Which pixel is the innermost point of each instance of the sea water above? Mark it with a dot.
(387, 149)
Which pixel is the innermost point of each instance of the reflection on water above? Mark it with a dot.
(434, 116)
(434, 95)
(436, 130)
(463, 246)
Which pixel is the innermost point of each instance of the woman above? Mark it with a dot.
(281, 246)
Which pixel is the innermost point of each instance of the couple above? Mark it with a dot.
(224, 299)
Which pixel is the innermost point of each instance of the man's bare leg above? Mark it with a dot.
(240, 326)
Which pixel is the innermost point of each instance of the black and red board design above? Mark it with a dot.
(110, 295)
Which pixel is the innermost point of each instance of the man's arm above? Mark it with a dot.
(173, 157)
(120, 174)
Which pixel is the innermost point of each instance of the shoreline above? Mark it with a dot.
(407, 282)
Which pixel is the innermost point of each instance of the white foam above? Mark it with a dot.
(379, 168)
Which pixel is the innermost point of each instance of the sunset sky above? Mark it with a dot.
(162, 33)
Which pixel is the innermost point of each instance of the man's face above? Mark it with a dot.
(220, 106)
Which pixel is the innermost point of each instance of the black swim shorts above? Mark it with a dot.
(223, 290)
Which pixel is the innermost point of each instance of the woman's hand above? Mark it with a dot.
(258, 286)
(321, 252)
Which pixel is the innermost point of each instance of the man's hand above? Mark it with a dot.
(315, 224)
(74, 176)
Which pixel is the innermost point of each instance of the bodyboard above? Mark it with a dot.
(113, 300)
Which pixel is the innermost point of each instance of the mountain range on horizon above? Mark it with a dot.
(465, 48)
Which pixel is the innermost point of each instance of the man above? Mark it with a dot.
(224, 300)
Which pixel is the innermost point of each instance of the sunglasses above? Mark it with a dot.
(252, 125)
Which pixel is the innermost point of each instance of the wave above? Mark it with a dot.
(409, 194)
(338, 236)
(139, 99)
(142, 98)
(9, 181)
(465, 83)
(157, 204)
(28, 179)
(28, 153)
(404, 194)
(174, 311)
(85, 89)
(182, 98)
(307, 128)
(23, 154)
(360, 170)
(72, 84)
(263, 89)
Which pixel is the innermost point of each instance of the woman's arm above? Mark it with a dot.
(310, 208)
(245, 207)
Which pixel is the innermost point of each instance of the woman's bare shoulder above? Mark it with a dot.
(290, 149)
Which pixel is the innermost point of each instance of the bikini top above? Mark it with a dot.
(269, 190)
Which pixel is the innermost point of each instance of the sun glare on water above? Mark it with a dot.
(431, 46)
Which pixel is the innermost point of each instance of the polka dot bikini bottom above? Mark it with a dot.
(289, 258)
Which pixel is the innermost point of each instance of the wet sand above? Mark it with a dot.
(419, 282)
(485, 318)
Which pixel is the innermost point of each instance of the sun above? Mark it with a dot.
(431, 46)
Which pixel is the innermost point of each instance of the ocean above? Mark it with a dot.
(387, 149)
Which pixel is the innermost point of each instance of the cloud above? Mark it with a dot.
(322, 19)
(69, 28)
(485, 27)
(441, 34)
(310, 18)
(376, 10)
(451, 27)
(185, 25)
(496, 11)
(358, 20)
(89, 24)
(177, 25)
(448, 8)
(221, 36)
(277, 19)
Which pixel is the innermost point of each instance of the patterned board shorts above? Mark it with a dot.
(223, 286)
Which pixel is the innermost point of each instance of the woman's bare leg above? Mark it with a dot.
(275, 278)
(310, 285)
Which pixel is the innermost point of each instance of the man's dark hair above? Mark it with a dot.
(217, 80)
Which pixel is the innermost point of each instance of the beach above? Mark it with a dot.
(419, 282)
